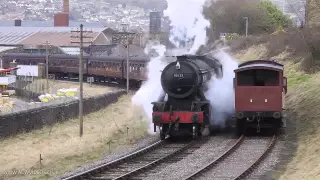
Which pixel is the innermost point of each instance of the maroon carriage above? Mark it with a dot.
(259, 92)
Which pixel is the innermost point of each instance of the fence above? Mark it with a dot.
(50, 113)
(30, 87)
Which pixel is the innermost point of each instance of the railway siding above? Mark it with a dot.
(50, 113)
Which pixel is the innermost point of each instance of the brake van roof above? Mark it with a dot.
(260, 64)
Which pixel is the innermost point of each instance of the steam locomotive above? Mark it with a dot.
(186, 110)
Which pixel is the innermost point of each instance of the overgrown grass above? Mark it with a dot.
(304, 101)
(61, 147)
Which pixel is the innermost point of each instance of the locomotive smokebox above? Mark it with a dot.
(182, 78)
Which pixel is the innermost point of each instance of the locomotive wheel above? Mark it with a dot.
(162, 135)
(199, 132)
(163, 131)
(240, 128)
(195, 131)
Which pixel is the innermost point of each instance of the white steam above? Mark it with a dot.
(151, 89)
(220, 92)
(188, 34)
(188, 25)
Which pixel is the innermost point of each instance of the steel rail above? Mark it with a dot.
(150, 165)
(87, 174)
(217, 160)
(255, 164)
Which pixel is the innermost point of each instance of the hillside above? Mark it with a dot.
(313, 13)
(302, 101)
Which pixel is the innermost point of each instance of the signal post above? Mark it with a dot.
(124, 38)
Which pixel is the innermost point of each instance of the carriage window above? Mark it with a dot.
(258, 77)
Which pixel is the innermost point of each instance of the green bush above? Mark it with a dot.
(276, 16)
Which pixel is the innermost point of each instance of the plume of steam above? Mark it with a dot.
(188, 25)
(151, 89)
(220, 91)
(188, 34)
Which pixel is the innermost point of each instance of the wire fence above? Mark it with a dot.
(33, 84)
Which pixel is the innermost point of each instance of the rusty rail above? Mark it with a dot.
(125, 176)
(98, 172)
(88, 174)
(217, 160)
(256, 163)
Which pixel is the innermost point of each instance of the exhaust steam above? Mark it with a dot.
(188, 34)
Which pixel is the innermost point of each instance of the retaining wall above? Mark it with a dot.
(48, 114)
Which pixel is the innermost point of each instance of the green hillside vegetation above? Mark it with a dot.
(272, 37)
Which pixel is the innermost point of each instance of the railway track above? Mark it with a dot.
(134, 165)
(237, 161)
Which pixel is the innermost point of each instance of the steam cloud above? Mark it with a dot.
(220, 92)
(188, 34)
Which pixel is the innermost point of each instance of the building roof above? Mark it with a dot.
(33, 36)
(5, 48)
(71, 50)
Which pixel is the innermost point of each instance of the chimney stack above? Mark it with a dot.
(17, 22)
(66, 6)
(62, 19)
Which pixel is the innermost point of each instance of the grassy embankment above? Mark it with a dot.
(61, 147)
(302, 101)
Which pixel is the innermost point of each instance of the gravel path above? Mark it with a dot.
(113, 156)
(181, 169)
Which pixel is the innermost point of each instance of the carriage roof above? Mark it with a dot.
(260, 64)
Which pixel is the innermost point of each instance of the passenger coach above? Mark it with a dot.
(260, 88)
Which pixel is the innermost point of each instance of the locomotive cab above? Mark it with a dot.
(259, 94)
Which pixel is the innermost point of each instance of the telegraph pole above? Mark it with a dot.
(81, 37)
(124, 38)
(47, 66)
(128, 71)
(247, 24)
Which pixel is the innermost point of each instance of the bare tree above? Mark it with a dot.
(309, 35)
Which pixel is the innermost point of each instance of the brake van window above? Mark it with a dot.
(258, 77)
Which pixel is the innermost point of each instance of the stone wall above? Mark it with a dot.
(39, 116)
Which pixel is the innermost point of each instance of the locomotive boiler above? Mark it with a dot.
(186, 109)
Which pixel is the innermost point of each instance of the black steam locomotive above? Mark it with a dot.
(187, 110)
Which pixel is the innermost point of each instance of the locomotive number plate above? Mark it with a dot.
(178, 75)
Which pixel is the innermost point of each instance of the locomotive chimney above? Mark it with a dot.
(66, 6)
(178, 65)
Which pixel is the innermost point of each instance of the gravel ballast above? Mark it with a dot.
(230, 167)
(181, 169)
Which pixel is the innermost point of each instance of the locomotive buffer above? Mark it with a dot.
(81, 37)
